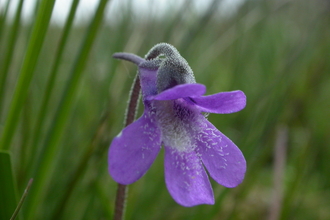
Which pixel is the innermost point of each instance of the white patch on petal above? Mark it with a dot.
(178, 125)
(119, 135)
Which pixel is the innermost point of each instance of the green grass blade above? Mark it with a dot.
(44, 163)
(18, 208)
(3, 18)
(9, 53)
(8, 200)
(29, 64)
(42, 113)
(80, 168)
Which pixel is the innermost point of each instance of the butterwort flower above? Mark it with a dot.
(174, 117)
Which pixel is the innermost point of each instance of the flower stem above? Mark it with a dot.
(22, 200)
(133, 101)
(130, 116)
(120, 202)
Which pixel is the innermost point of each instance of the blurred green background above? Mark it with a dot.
(63, 98)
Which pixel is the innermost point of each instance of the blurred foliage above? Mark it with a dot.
(277, 52)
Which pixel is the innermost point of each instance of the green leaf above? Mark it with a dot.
(3, 18)
(52, 76)
(12, 41)
(8, 200)
(44, 164)
(25, 77)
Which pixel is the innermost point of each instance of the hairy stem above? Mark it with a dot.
(130, 116)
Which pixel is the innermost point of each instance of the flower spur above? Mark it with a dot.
(173, 117)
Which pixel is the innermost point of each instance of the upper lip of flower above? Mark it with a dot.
(181, 91)
(134, 150)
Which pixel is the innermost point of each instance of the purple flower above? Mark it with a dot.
(173, 117)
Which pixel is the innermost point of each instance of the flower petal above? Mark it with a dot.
(148, 79)
(186, 178)
(180, 91)
(221, 157)
(133, 151)
(221, 103)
